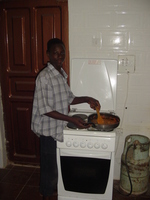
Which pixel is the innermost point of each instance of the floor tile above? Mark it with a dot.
(17, 177)
(30, 192)
(9, 191)
(34, 180)
(3, 173)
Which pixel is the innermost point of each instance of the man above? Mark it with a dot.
(50, 113)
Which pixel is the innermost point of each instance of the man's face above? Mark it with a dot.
(57, 55)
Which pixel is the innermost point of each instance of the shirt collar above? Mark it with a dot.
(55, 71)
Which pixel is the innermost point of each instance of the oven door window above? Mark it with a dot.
(85, 175)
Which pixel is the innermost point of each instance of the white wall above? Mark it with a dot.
(94, 28)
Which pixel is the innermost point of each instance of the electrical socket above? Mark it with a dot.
(126, 64)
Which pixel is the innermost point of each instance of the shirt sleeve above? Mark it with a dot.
(71, 96)
(44, 96)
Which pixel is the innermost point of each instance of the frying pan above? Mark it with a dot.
(104, 127)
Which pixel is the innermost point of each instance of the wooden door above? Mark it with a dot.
(26, 29)
(47, 25)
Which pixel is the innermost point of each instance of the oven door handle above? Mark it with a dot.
(76, 153)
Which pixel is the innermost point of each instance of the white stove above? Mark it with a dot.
(88, 154)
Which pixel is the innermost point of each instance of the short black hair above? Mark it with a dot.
(54, 41)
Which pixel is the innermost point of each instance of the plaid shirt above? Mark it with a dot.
(52, 93)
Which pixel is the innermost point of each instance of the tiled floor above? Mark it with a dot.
(22, 183)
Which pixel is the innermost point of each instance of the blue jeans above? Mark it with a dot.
(48, 166)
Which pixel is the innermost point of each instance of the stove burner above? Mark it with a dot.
(71, 125)
(82, 116)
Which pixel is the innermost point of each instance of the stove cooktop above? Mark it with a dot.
(70, 129)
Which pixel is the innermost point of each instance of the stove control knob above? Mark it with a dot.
(97, 145)
(83, 144)
(90, 145)
(75, 144)
(68, 144)
(104, 146)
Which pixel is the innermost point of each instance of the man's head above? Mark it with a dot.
(56, 52)
(53, 42)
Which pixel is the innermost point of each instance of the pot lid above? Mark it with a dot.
(96, 78)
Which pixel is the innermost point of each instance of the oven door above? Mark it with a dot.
(86, 174)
